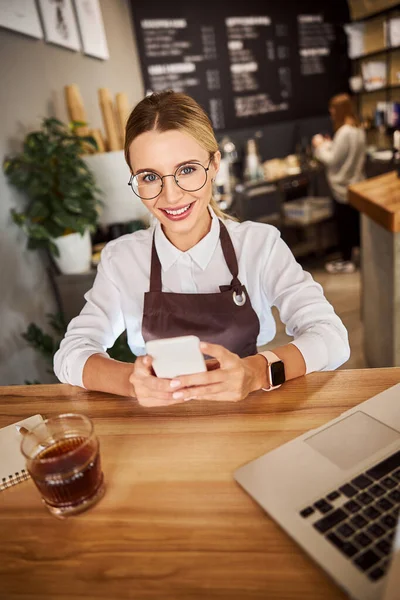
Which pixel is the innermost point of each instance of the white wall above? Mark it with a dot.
(32, 79)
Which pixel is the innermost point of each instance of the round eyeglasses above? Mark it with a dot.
(190, 177)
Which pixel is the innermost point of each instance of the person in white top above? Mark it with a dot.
(196, 271)
(344, 158)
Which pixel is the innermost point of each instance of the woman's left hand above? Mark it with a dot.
(233, 381)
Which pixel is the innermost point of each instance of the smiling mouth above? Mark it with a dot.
(177, 211)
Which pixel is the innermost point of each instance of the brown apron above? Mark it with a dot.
(226, 317)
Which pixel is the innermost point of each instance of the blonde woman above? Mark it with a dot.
(195, 272)
(344, 158)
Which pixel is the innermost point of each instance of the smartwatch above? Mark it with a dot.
(275, 371)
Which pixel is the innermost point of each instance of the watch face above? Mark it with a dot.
(277, 373)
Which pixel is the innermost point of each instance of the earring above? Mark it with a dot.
(212, 180)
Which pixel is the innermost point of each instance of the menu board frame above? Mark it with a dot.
(248, 64)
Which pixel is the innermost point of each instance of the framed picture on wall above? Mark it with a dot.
(21, 16)
(59, 23)
(92, 30)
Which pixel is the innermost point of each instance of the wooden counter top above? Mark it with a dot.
(379, 199)
(173, 523)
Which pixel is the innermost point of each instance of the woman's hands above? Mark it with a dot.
(317, 140)
(232, 381)
(228, 379)
(149, 389)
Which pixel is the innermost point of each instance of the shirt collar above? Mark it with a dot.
(201, 253)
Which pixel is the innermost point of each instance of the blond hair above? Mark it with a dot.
(168, 110)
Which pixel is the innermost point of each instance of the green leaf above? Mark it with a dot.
(35, 138)
(54, 230)
(90, 140)
(38, 232)
(7, 166)
(36, 244)
(54, 128)
(40, 341)
(73, 205)
(18, 217)
(52, 122)
(57, 322)
(63, 218)
(53, 249)
(76, 124)
(38, 210)
(80, 227)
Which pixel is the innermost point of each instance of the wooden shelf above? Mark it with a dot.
(381, 89)
(379, 13)
(376, 52)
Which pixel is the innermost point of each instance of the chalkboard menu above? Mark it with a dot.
(247, 62)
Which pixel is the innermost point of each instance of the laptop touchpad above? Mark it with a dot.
(352, 439)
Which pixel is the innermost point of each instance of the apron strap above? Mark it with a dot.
(227, 249)
(229, 254)
(155, 269)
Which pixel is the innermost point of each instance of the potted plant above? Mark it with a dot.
(62, 195)
(47, 344)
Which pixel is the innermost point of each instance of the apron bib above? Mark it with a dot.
(225, 317)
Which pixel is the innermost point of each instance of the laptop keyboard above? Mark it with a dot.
(360, 517)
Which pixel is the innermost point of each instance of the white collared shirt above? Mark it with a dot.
(267, 268)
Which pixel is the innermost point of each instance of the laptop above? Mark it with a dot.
(392, 588)
(336, 491)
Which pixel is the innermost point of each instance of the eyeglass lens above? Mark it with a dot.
(189, 177)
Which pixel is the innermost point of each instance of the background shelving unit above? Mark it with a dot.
(378, 45)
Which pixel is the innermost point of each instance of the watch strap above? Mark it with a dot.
(270, 357)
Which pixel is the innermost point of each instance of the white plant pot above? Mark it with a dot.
(75, 253)
(112, 174)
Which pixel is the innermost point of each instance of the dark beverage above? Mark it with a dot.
(63, 459)
(72, 475)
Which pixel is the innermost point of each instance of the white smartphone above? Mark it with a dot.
(176, 356)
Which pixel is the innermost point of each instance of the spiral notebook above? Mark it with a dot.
(12, 462)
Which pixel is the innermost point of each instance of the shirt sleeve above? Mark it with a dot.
(318, 332)
(95, 329)
(333, 153)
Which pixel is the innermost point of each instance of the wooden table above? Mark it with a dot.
(173, 523)
(379, 199)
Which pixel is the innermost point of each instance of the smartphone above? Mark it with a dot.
(176, 356)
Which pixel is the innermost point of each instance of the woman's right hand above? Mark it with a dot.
(149, 389)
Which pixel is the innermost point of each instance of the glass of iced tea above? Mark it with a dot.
(63, 459)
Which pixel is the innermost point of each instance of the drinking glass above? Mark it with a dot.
(63, 458)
